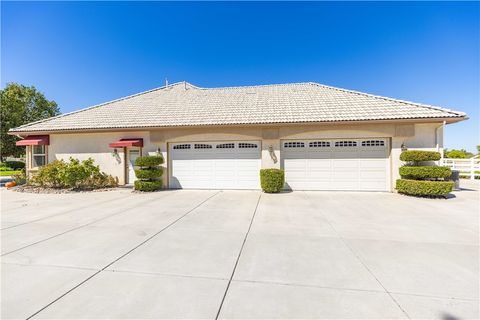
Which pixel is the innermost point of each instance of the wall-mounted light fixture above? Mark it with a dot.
(115, 152)
(272, 154)
(159, 152)
(404, 147)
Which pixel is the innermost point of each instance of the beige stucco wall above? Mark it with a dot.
(428, 136)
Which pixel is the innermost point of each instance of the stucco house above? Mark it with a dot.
(325, 138)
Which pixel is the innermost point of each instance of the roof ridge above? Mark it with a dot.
(102, 104)
(391, 99)
(256, 86)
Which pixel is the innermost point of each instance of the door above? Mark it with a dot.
(133, 154)
(215, 165)
(336, 164)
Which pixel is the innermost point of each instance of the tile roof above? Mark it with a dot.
(183, 104)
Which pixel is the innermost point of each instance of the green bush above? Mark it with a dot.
(153, 173)
(142, 185)
(419, 156)
(15, 165)
(149, 173)
(20, 177)
(3, 168)
(149, 161)
(423, 172)
(424, 188)
(74, 174)
(272, 180)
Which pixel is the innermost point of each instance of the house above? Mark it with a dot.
(325, 138)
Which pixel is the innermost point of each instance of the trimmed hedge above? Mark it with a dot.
(272, 180)
(149, 161)
(142, 185)
(153, 173)
(417, 173)
(149, 173)
(424, 188)
(15, 165)
(419, 156)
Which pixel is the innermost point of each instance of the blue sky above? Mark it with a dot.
(83, 53)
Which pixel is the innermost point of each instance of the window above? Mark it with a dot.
(244, 145)
(348, 143)
(225, 146)
(181, 146)
(294, 145)
(203, 146)
(39, 156)
(373, 143)
(319, 144)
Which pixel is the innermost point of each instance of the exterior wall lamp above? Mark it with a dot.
(272, 154)
(404, 147)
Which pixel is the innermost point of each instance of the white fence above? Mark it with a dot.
(466, 167)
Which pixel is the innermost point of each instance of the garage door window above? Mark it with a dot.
(295, 144)
(243, 145)
(181, 146)
(373, 143)
(319, 144)
(203, 146)
(346, 143)
(225, 146)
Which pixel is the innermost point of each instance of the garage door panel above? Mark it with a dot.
(223, 166)
(336, 164)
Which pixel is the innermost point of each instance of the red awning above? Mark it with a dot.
(130, 142)
(34, 141)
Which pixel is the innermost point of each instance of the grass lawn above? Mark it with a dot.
(8, 173)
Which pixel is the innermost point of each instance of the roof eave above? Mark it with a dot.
(447, 120)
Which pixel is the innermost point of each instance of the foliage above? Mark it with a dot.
(419, 156)
(149, 161)
(9, 173)
(19, 105)
(143, 185)
(14, 165)
(153, 173)
(272, 180)
(457, 154)
(149, 173)
(20, 177)
(5, 169)
(424, 188)
(423, 172)
(74, 174)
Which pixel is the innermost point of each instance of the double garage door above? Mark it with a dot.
(332, 164)
(336, 164)
(215, 165)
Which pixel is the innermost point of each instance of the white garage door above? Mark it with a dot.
(340, 164)
(215, 165)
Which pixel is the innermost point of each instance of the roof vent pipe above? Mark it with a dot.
(166, 83)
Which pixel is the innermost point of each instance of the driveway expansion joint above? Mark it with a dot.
(357, 256)
(238, 257)
(122, 256)
(82, 226)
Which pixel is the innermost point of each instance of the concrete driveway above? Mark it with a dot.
(239, 254)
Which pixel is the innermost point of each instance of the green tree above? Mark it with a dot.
(478, 149)
(19, 105)
(457, 154)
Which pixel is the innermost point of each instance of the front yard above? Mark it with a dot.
(239, 254)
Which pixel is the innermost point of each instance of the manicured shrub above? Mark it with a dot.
(149, 173)
(6, 169)
(149, 161)
(74, 174)
(419, 156)
(143, 185)
(424, 188)
(272, 180)
(424, 172)
(152, 173)
(15, 165)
